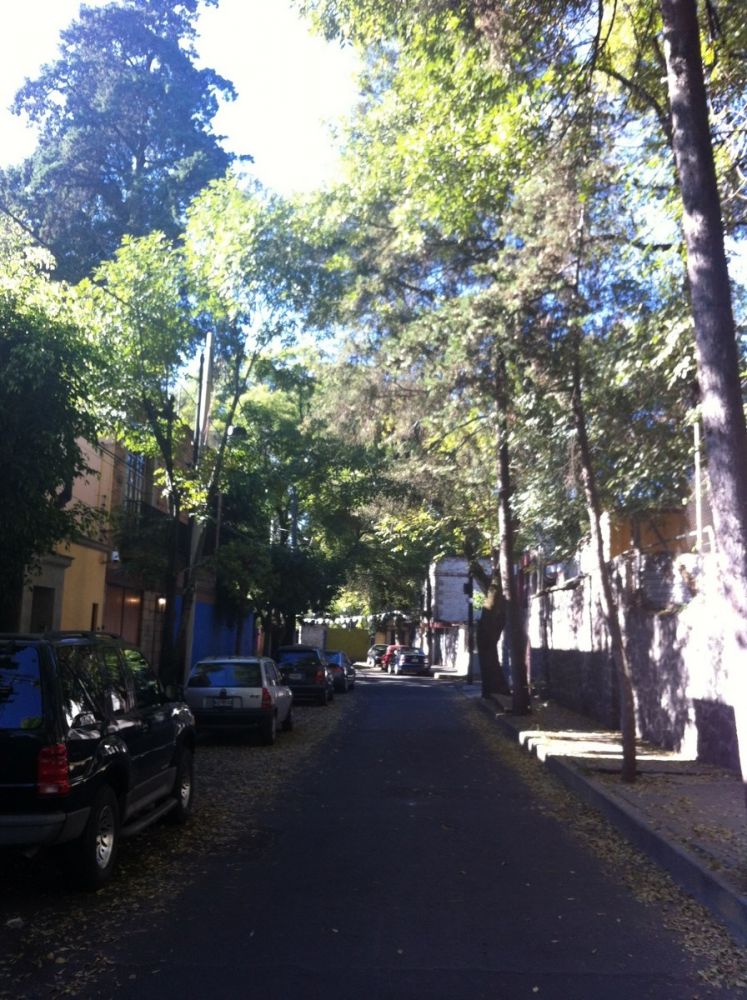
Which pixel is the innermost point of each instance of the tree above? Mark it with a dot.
(126, 139)
(224, 293)
(46, 377)
(575, 63)
(722, 401)
(683, 115)
(430, 173)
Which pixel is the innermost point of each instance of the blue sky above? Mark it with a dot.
(289, 83)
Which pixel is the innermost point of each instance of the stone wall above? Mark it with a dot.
(673, 622)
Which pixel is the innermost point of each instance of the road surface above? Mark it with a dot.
(400, 857)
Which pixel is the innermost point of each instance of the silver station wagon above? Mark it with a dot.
(239, 692)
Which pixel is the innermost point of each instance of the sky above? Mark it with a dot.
(289, 83)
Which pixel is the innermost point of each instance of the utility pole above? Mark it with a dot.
(469, 590)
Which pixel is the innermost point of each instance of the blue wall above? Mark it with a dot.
(213, 637)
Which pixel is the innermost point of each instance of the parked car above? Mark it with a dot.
(343, 671)
(306, 672)
(375, 654)
(408, 660)
(92, 749)
(239, 693)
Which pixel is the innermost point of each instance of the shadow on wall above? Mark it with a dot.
(572, 665)
(679, 674)
(582, 681)
(717, 733)
(663, 708)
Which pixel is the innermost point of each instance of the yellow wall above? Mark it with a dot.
(658, 532)
(353, 641)
(85, 585)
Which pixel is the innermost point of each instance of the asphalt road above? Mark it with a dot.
(403, 858)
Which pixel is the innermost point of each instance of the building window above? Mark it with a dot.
(135, 482)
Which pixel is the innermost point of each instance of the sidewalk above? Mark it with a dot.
(689, 818)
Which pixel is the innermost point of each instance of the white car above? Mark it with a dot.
(239, 692)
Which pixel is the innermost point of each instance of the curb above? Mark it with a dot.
(686, 870)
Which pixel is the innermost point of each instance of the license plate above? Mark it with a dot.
(296, 677)
(223, 702)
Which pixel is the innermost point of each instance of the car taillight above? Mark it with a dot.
(321, 677)
(266, 699)
(52, 774)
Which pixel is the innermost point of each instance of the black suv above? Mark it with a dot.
(91, 748)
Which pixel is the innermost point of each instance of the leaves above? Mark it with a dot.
(46, 407)
(126, 140)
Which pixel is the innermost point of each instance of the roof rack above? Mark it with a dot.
(80, 634)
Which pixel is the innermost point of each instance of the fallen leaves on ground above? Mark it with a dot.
(724, 963)
(60, 946)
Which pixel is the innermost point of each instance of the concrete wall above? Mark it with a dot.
(674, 623)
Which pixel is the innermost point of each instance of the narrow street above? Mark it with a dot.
(400, 856)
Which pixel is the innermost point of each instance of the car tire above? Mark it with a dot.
(269, 730)
(288, 721)
(95, 851)
(323, 697)
(184, 788)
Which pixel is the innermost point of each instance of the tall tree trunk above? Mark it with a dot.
(490, 627)
(617, 646)
(715, 334)
(521, 702)
(185, 631)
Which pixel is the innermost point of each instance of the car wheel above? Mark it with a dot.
(288, 721)
(269, 730)
(95, 852)
(184, 788)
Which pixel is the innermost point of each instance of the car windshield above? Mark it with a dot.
(20, 688)
(226, 674)
(408, 649)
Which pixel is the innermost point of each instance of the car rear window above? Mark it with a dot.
(206, 675)
(20, 688)
(298, 656)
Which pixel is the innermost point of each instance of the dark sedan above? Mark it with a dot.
(343, 671)
(306, 672)
(408, 660)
